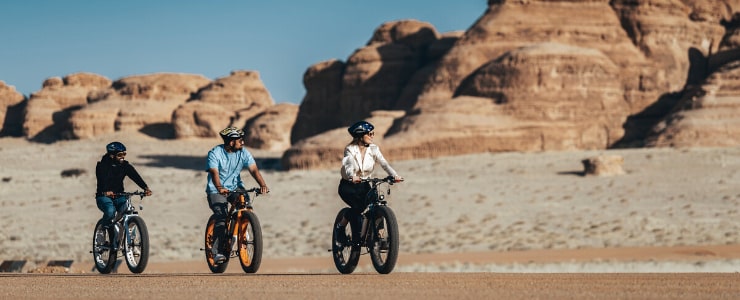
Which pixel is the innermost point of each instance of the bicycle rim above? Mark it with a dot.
(250, 242)
(136, 245)
(208, 246)
(103, 255)
(345, 254)
(384, 241)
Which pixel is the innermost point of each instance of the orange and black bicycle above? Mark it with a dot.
(243, 236)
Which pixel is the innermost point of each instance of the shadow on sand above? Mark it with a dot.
(198, 163)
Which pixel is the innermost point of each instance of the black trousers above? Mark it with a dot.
(355, 195)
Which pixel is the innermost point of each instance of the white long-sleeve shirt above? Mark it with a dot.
(354, 164)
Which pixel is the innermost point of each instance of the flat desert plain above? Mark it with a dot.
(510, 225)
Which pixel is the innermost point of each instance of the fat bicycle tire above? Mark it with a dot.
(249, 242)
(136, 247)
(209, 236)
(345, 253)
(104, 257)
(383, 242)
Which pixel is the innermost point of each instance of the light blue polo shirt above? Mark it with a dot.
(229, 166)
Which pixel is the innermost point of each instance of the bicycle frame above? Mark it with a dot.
(241, 202)
(242, 234)
(375, 199)
(128, 235)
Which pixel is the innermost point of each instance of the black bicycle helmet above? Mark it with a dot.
(115, 147)
(360, 128)
(231, 133)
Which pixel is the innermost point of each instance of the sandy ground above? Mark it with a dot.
(507, 212)
(372, 286)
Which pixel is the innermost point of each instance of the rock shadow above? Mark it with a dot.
(198, 163)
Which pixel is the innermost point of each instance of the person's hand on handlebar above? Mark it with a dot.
(397, 178)
(264, 189)
(222, 190)
(147, 192)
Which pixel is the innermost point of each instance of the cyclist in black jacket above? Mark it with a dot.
(110, 172)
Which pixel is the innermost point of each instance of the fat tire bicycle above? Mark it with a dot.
(243, 236)
(128, 235)
(378, 232)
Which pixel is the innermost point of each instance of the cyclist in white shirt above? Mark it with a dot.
(360, 157)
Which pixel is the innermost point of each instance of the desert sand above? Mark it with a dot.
(674, 210)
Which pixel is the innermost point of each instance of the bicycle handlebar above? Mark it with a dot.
(255, 190)
(389, 179)
(134, 193)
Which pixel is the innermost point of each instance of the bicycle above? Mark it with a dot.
(133, 244)
(244, 229)
(379, 237)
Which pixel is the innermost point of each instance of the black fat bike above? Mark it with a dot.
(378, 232)
(127, 235)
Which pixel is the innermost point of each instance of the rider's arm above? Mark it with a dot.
(255, 172)
(217, 181)
(384, 163)
(136, 178)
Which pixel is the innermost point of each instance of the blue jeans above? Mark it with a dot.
(109, 207)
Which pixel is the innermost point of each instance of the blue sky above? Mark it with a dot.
(279, 39)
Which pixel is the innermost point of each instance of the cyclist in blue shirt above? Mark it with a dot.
(224, 165)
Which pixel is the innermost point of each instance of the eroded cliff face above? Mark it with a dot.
(12, 105)
(708, 113)
(528, 75)
(542, 75)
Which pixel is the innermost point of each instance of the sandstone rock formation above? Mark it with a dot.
(227, 101)
(270, 129)
(526, 76)
(11, 110)
(373, 78)
(133, 103)
(708, 113)
(48, 109)
(603, 165)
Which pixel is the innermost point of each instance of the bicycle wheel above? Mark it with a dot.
(136, 245)
(346, 255)
(250, 242)
(384, 240)
(103, 254)
(209, 237)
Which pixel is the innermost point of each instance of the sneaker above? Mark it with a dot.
(136, 251)
(219, 258)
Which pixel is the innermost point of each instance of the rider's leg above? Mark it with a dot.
(354, 195)
(120, 206)
(219, 206)
(105, 204)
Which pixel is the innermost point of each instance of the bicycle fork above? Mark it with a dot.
(234, 228)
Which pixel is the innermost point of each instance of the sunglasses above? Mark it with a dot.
(371, 133)
(121, 154)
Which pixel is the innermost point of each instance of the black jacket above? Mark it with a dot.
(110, 175)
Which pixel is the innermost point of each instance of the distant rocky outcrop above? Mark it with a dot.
(527, 76)
(11, 110)
(48, 110)
(227, 101)
(708, 113)
(373, 78)
(134, 103)
(163, 105)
